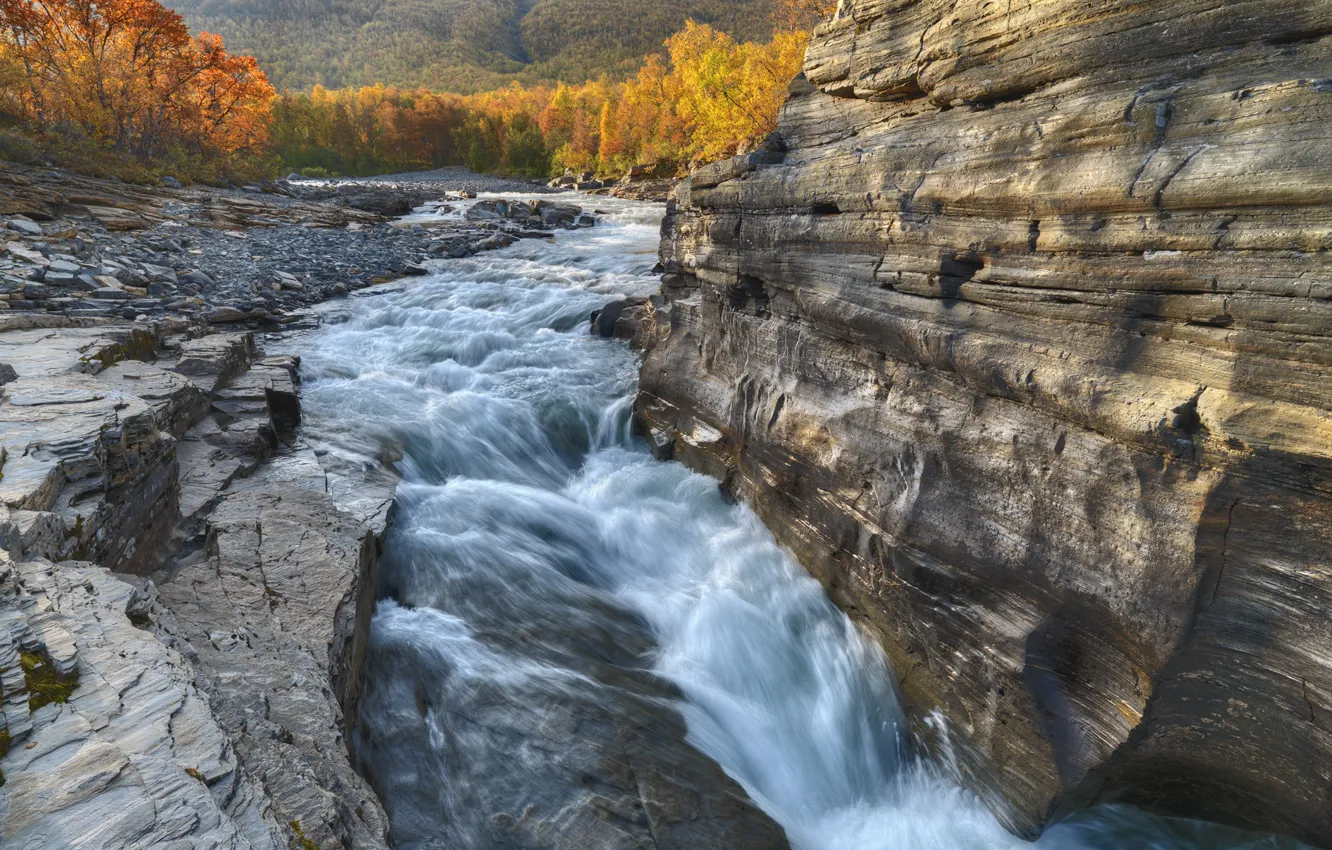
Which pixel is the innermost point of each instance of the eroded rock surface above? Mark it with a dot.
(1018, 337)
(135, 758)
(208, 706)
(274, 615)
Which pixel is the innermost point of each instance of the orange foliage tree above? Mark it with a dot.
(127, 76)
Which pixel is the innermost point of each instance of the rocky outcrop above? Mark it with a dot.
(1018, 337)
(274, 613)
(47, 194)
(132, 756)
(219, 692)
(544, 215)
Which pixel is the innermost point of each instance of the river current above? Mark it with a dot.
(528, 508)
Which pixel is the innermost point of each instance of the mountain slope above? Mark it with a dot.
(457, 45)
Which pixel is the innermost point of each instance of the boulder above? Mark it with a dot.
(197, 278)
(384, 202)
(228, 315)
(487, 211)
(156, 273)
(559, 215)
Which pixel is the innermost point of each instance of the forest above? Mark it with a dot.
(707, 96)
(122, 87)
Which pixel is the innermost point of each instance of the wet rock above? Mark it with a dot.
(384, 203)
(558, 215)
(619, 319)
(487, 211)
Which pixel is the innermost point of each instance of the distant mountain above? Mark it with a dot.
(458, 45)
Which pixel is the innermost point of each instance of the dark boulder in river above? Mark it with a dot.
(619, 319)
(1023, 348)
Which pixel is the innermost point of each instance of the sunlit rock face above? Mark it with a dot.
(1018, 338)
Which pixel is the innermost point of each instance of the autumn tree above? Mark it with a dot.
(802, 15)
(127, 76)
(706, 96)
(729, 93)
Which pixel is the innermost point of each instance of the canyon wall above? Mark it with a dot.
(1017, 334)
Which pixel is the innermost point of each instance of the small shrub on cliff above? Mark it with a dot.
(6, 741)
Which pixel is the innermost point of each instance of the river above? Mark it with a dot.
(538, 545)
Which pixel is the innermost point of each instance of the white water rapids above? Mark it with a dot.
(526, 502)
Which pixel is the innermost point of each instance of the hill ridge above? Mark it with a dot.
(460, 46)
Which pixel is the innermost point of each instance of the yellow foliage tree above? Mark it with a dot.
(730, 93)
(704, 98)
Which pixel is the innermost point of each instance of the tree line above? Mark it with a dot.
(124, 82)
(703, 98)
(463, 46)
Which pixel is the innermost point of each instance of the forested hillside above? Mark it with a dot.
(459, 45)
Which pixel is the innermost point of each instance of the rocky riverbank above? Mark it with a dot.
(184, 599)
(1018, 336)
(185, 584)
(81, 247)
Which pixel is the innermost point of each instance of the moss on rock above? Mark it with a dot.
(45, 683)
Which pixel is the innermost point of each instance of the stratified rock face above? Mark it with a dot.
(1021, 345)
(135, 757)
(209, 706)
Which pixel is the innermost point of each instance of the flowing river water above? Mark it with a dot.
(536, 543)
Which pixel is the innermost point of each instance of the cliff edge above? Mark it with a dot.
(1017, 334)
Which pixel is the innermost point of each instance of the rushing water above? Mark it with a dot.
(527, 508)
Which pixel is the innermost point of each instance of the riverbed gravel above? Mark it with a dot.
(290, 244)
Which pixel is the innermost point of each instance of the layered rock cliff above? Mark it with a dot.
(1018, 335)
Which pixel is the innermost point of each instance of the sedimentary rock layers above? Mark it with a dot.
(209, 706)
(1018, 336)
